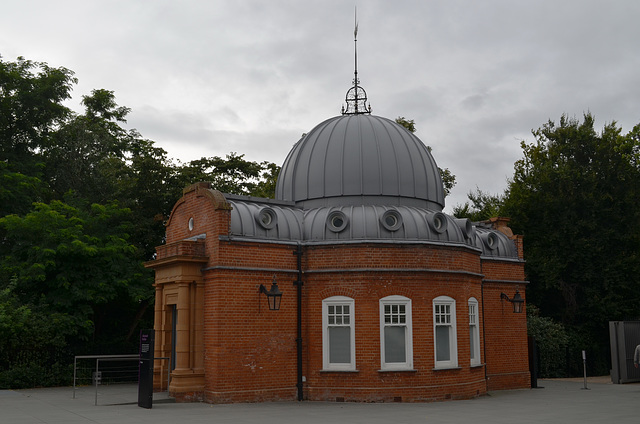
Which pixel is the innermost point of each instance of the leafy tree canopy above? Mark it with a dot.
(70, 258)
(31, 107)
(83, 201)
(480, 207)
(234, 175)
(575, 196)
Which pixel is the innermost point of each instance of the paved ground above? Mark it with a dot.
(560, 401)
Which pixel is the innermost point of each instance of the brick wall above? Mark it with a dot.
(250, 352)
(367, 288)
(507, 353)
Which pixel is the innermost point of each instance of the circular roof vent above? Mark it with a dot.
(391, 220)
(337, 221)
(266, 218)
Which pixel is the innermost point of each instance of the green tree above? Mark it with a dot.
(480, 207)
(448, 178)
(34, 350)
(83, 202)
(31, 107)
(409, 124)
(18, 191)
(575, 196)
(73, 262)
(87, 154)
(266, 185)
(149, 186)
(552, 340)
(234, 175)
(31, 110)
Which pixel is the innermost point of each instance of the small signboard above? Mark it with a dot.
(145, 370)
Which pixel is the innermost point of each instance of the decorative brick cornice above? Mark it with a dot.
(181, 248)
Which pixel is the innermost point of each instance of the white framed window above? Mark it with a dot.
(474, 332)
(444, 332)
(338, 334)
(396, 339)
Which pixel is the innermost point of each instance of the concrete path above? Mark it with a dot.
(560, 401)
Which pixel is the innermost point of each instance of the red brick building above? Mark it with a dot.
(384, 297)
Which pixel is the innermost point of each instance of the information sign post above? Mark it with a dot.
(145, 373)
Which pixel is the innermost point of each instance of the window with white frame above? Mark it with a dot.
(396, 339)
(444, 331)
(338, 334)
(474, 332)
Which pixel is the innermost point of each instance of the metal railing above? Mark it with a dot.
(97, 374)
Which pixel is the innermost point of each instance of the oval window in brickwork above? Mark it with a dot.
(191, 224)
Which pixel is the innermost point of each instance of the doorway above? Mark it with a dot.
(174, 333)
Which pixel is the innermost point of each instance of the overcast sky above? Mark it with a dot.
(210, 77)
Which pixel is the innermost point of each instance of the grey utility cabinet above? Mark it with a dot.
(624, 337)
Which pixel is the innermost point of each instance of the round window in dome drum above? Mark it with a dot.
(267, 218)
(490, 240)
(468, 230)
(337, 221)
(438, 222)
(391, 220)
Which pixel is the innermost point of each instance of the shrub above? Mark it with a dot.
(552, 341)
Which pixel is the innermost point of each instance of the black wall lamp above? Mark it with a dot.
(517, 301)
(274, 295)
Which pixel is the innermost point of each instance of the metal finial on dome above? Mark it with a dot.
(356, 97)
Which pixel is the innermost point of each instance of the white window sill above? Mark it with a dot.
(446, 368)
(477, 365)
(398, 370)
(344, 371)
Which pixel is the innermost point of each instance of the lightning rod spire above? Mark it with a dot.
(356, 97)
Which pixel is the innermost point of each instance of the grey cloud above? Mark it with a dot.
(208, 78)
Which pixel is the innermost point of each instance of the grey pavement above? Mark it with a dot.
(560, 401)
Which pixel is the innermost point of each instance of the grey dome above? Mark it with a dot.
(360, 160)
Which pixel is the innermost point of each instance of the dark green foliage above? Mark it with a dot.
(575, 196)
(552, 341)
(482, 207)
(33, 347)
(71, 259)
(409, 124)
(31, 96)
(83, 202)
(233, 175)
(266, 186)
(18, 191)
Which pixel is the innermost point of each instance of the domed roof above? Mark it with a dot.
(360, 159)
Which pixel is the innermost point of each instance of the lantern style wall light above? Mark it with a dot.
(517, 301)
(274, 295)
